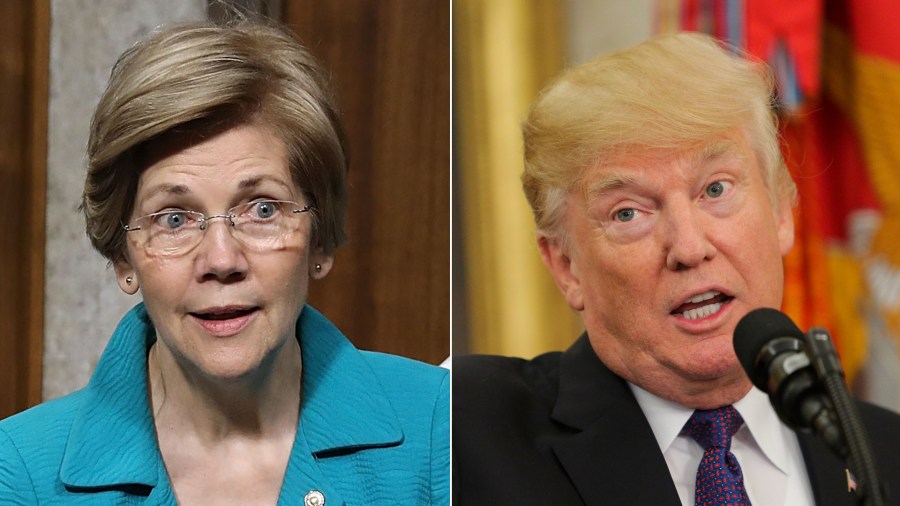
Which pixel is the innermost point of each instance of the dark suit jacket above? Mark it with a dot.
(563, 429)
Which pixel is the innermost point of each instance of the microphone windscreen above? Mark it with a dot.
(753, 332)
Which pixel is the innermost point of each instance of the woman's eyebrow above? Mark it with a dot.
(255, 181)
(181, 189)
(172, 189)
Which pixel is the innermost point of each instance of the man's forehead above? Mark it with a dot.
(623, 170)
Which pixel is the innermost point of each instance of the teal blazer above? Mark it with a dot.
(373, 429)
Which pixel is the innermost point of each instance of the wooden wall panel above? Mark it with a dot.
(390, 61)
(24, 63)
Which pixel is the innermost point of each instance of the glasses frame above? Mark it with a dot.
(229, 216)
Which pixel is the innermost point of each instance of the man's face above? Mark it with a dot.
(665, 255)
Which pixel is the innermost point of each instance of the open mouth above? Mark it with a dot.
(702, 305)
(226, 313)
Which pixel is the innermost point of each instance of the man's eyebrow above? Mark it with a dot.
(607, 184)
(709, 153)
(716, 150)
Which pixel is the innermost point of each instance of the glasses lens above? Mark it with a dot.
(261, 225)
(169, 232)
(264, 223)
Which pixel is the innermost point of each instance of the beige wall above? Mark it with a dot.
(595, 27)
(82, 301)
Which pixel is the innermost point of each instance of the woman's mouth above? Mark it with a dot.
(224, 321)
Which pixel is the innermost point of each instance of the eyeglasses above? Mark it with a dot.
(260, 225)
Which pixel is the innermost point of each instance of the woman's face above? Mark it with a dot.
(226, 305)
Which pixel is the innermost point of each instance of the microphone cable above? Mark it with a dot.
(825, 362)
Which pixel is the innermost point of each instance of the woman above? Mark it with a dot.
(215, 187)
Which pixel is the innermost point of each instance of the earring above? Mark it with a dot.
(318, 267)
(128, 280)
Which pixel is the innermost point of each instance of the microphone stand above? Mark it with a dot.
(823, 357)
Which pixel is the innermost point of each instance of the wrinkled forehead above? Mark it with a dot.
(613, 169)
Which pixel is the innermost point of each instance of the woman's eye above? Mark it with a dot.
(717, 188)
(173, 220)
(626, 214)
(265, 209)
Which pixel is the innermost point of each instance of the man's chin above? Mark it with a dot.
(727, 371)
(709, 387)
(710, 360)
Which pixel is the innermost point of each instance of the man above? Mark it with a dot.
(663, 210)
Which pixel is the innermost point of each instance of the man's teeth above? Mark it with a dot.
(703, 296)
(700, 312)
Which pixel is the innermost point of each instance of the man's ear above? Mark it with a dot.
(785, 224)
(126, 275)
(320, 264)
(563, 270)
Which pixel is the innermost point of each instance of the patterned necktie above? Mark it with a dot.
(719, 478)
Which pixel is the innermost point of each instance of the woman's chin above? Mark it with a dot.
(232, 369)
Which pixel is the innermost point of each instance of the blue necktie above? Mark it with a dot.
(719, 478)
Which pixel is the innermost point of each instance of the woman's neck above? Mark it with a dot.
(263, 404)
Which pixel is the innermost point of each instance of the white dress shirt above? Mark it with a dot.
(766, 449)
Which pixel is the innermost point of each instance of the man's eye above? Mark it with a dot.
(626, 214)
(717, 188)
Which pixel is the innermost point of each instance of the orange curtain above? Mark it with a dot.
(825, 147)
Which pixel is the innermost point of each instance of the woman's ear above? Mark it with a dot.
(126, 275)
(320, 264)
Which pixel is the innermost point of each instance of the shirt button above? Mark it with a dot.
(314, 498)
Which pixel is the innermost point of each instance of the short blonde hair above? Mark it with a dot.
(196, 79)
(665, 95)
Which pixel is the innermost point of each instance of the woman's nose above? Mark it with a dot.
(220, 255)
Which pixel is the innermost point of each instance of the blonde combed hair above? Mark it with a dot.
(195, 80)
(666, 95)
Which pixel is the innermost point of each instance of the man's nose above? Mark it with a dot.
(686, 236)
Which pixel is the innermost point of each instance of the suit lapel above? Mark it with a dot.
(827, 473)
(613, 458)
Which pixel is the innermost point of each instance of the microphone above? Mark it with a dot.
(805, 382)
(774, 353)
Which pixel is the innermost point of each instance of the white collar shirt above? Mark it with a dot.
(766, 449)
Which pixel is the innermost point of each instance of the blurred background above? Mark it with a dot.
(837, 66)
(390, 287)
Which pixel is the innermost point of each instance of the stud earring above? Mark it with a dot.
(318, 267)
(128, 280)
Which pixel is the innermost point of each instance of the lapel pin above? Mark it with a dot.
(314, 498)
(851, 481)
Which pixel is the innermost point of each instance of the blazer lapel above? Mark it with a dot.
(614, 458)
(112, 442)
(344, 409)
(344, 406)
